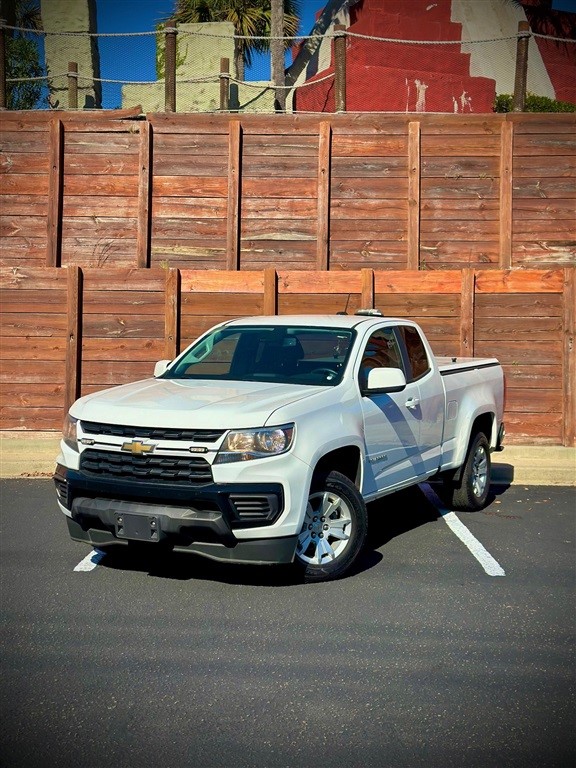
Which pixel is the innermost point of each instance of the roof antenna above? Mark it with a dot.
(346, 307)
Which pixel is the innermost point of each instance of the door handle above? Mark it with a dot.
(412, 402)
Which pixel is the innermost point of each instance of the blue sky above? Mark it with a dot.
(134, 58)
(565, 5)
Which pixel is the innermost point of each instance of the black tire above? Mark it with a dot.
(334, 530)
(471, 493)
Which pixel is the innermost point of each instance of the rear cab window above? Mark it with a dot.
(417, 363)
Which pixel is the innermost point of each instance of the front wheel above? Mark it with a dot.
(471, 494)
(334, 529)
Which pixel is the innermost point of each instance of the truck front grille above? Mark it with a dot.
(192, 470)
(152, 433)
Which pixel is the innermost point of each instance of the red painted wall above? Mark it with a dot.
(400, 77)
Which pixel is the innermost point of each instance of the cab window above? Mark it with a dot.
(418, 362)
(381, 351)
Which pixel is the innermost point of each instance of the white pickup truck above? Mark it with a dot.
(264, 440)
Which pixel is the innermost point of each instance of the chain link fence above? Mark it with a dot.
(196, 68)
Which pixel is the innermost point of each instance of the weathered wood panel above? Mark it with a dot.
(525, 331)
(100, 162)
(130, 318)
(369, 214)
(284, 183)
(208, 298)
(123, 325)
(24, 173)
(383, 192)
(33, 347)
(544, 194)
(190, 198)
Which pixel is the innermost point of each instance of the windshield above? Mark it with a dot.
(280, 354)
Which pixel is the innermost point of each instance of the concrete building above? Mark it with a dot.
(199, 48)
(59, 16)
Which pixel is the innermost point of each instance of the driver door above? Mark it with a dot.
(392, 420)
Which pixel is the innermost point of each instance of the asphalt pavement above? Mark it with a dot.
(426, 656)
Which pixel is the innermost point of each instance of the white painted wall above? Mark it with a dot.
(488, 19)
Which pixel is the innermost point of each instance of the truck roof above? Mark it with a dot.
(319, 321)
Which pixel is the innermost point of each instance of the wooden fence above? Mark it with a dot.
(72, 331)
(124, 236)
(304, 192)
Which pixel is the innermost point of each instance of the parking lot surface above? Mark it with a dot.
(428, 655)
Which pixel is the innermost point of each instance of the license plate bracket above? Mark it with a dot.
(138, 527)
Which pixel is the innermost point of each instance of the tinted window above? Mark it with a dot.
(280, 354)
(381, 351)
(417, 357)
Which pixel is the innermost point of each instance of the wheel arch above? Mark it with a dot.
(484, 422)
(347, 460)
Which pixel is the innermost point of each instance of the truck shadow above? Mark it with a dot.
(389, 517)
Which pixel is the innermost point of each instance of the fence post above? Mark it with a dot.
(144, 226)
(340, 67)
(367, 295)
(234, 195)
(224, 85)
(172, 299)
(72, 85)
(170, 33)
(569, 357)
(467, 301)
(323, 196)
(270, 298)
(55, 194)
(414, 195)
(73, 361)
(521, 74)
(2, 64)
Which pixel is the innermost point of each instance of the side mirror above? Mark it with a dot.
(160, 367)
(385, 380)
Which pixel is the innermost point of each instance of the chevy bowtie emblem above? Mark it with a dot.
(137, 447)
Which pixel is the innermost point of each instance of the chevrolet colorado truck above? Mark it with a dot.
(265, 439)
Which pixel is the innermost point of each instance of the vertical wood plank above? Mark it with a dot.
(414, 172)
(144, 196)
(233, 211)
(55, 191)
(569, 357)
(172, 313)
(506, 165)
(367, 300)
(323, 220)
(73, 337)
(270, 302)
(467, 295)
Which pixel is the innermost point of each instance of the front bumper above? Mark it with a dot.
(248, 551)
(202, 520)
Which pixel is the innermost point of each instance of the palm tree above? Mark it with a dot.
(544, 20)
(22, 52)
(251, 18)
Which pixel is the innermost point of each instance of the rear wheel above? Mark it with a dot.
(471, 494)
(334, 529)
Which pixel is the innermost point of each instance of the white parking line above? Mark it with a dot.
(90, 561)
(490, 565)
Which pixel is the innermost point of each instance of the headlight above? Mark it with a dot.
(69, 432)
(255, 444)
